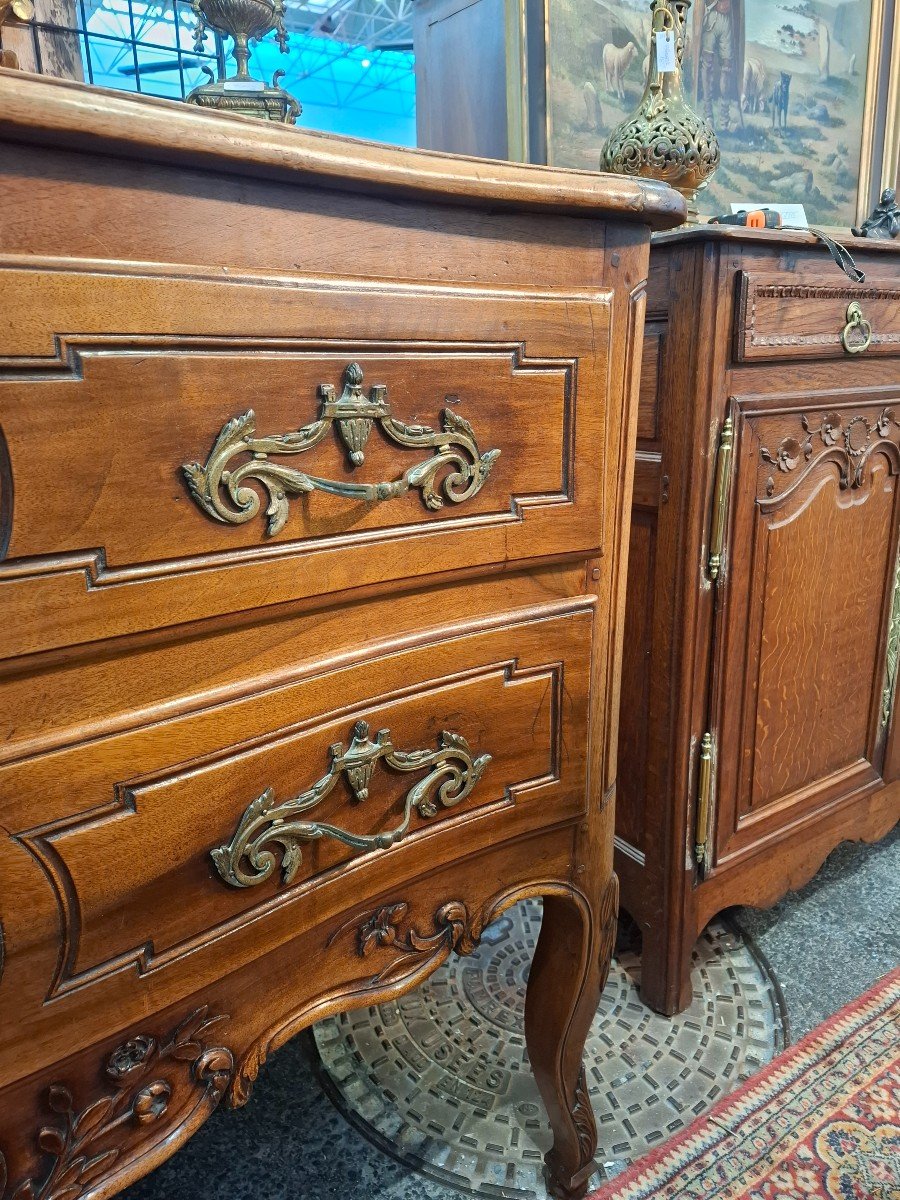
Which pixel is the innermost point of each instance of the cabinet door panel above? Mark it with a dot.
(801, 651)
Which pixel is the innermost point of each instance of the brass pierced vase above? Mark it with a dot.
(244, 21)
(664, 138)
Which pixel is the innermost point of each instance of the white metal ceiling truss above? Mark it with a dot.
(320, 59)
(375, 24)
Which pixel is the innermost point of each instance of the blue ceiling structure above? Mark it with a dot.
(360, 89)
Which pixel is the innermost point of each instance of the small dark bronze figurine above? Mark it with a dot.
(884, 222)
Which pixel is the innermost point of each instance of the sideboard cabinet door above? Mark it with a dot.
(802, 690)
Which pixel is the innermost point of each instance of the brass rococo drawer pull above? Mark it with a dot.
(857, 333)
(221, 492)
(265, 824)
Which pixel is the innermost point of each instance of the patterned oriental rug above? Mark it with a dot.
(821, 1122)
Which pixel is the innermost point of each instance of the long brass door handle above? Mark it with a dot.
(720, 498)
(249, 858)
(857, 333)
(456, 470)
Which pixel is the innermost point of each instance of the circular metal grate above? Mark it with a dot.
(440, 1078)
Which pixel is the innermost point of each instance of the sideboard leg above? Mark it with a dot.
(666, 984)
(568, 973)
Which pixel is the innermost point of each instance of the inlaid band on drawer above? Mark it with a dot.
(455, 471)
(265, 824)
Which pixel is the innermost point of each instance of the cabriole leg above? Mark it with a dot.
(570, 967)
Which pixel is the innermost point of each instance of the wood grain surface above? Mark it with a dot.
(783, 658)
(185, 289)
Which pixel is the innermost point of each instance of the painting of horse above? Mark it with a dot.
(784, 82)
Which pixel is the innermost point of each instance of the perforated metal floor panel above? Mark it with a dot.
(441, 1080)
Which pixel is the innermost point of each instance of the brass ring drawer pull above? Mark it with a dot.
(221, 492)
(265, 824)
(857, 328)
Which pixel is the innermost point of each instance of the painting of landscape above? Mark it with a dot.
(786, 89)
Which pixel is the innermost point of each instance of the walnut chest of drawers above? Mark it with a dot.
(314, 474)
(759, 724)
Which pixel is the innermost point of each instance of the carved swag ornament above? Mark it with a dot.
(849, 441)
(85, 1144)
(454, 928)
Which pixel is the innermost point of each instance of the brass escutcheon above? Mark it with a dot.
(856, 325)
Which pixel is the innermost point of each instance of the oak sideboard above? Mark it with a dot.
(759, 725)
(315, 468)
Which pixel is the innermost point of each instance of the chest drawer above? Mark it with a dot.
(165, 467)
(230, 828)
(814, 318)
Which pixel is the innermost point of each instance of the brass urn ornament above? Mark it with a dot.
(244, 21)
(665, 139)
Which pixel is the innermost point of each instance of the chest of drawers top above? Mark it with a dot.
(58, 113)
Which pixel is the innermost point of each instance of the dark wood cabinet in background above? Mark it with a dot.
(757, 727)
(469, 50)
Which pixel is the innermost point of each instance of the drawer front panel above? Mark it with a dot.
(165, 468)
(381, 942)
(814, 319)
(153, 864)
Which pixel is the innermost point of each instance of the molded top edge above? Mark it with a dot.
(39, 110)
(773, 237)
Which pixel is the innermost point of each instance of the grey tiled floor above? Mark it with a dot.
(833, 939)
(826, 944)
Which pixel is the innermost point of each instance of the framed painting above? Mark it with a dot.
(799, 92)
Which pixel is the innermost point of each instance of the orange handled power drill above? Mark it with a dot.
(755, 218)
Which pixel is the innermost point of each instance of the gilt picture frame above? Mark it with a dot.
(804, 95)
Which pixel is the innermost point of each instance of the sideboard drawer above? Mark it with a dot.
(814, 318)
(459, 427)
(248, 820)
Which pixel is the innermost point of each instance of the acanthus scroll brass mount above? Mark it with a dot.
(248, 859)
(219, 488)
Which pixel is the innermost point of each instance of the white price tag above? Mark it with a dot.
(665, 51)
